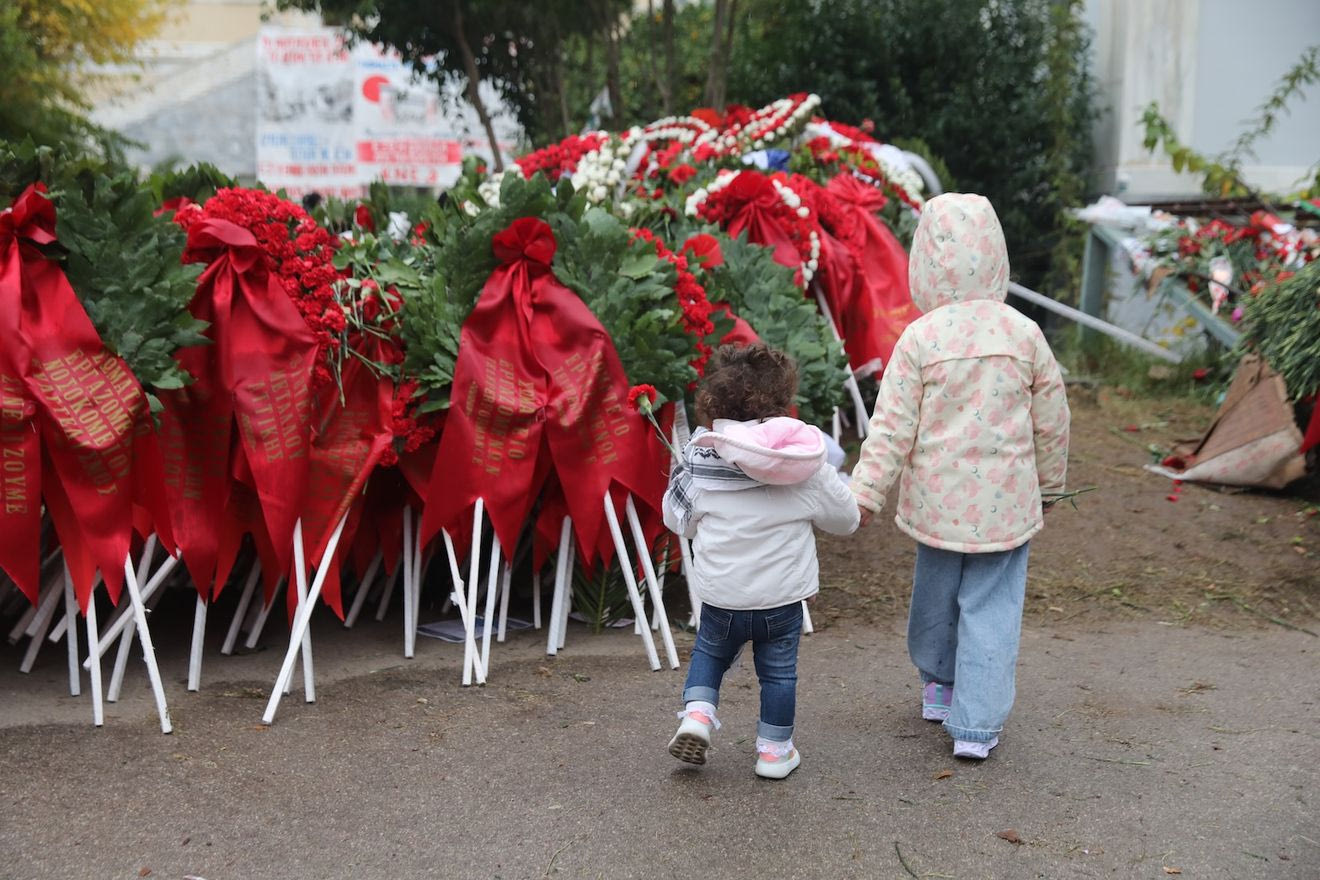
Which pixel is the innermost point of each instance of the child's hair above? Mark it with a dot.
(746, 382)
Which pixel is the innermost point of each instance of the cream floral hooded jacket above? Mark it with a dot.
(972, 418)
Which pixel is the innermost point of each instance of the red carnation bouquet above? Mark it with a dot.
(299, 251)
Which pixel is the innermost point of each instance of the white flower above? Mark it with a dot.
(599, 193)
(804, 212)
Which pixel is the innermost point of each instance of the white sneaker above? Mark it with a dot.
(768, 766)
(692, 739)
(980, 751)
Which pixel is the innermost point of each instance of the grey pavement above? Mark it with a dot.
(1135, 750)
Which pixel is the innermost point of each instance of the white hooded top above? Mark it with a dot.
(753, 546)
(972, 410)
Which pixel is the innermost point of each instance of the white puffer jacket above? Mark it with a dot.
(753, 547)
(972, 410)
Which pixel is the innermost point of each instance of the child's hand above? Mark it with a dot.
(865, 514)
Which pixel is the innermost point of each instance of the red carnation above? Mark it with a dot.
(705, 249)
(642, 398)
(681, 174)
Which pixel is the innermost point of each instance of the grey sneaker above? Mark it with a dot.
(979, 751)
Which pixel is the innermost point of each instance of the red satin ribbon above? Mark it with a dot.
(538, 385)
(252, 382)
(102, 465)
(882, 306)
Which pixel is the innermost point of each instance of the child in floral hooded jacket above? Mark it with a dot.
(972, 420)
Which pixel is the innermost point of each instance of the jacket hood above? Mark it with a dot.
(779, 451)
(958, 253)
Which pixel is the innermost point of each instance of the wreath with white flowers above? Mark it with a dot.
(718, 204)
(774, 122)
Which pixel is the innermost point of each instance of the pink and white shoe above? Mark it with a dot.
(692, 740)
(936, 700)
(775, 760)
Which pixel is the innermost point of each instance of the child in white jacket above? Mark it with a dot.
(748, 492)
(972, 413)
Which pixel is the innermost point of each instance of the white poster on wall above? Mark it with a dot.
(333, 120)
(305, 139)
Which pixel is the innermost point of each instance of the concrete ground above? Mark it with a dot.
(1135, 750)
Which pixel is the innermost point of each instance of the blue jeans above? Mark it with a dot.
(774, 634)
(964, 629)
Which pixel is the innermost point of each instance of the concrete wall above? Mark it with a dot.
(1208, 64)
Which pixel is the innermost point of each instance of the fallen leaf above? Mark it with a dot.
(577, 676)
(145, 872)
(1010, 835)
(543, 671)
(423, 700)
(1169, 870)
(944, 774)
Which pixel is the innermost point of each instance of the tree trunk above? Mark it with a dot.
(474, 86)
(671, 63)
(728, 49)
(715, 76)
(612, 68)
(661, 83)
(562, 89)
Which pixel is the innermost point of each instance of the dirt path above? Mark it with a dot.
(1134, 750)
(1127, 552)
(1164, 724)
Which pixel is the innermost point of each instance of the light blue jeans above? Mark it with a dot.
(963, 630)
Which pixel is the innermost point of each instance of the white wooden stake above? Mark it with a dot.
(198, 639)
(300, 581)
(43, 614)
(557, 598)
(652, 583)
(639, 613)
(384, 607)
(98, 704)
(460, 599)
(474, 578)
(147, 593)
(419, 572)
(409, 585)
(301, 619)
(364, 587)
(126, 648)
(568, 596)
(148, 650)
(503, 600)
(254, 634)
(240, 613)
(536, 599)
(71, 634)
(492, 585)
